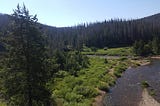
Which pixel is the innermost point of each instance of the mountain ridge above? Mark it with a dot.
(111, 33)
(154, 16)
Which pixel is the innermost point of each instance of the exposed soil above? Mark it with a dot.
(148, 100)
(98, 101)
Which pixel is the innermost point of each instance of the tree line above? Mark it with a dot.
(112, 33)
(151, 47)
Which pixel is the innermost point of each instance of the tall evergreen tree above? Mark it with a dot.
(156, 45)
(24, 76)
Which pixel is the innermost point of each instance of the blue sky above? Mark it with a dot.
(62, 13)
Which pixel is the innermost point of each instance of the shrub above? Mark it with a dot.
(123, 58)
(94, 49)
(61, 74)
(105, 61)
(86, 91)
(119, 69)
(73, 97)
(152, 92)
(117, 74)
(61, 93)
(103, 86)
(108, 79)
(145, 84)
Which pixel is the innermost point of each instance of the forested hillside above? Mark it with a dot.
(112, 33)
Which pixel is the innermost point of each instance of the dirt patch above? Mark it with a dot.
(148, 100)
(155, 57)
(98, 101)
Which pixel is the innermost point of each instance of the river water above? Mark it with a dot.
(128, 90)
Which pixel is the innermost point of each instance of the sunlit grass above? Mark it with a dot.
(124, 51)
(81, 91)
(2, 104)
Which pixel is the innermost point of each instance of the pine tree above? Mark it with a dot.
(24, 76)
(138, 47)
(155, 45)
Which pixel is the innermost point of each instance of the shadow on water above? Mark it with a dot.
(128, 90)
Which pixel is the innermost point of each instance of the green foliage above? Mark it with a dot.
(24, 75)
(73, 97)
(119, 69)
(60, 58)
(61, 74)
(70, 90)
(124, 51)
(145, 84)
(122, 58)
(86, 49)
(2, 104)
(78, 90)
(144, 49)
(156, 45)
(103, 86)
(71, 61)
(105, 61)
(94, 49)
(138, 47)
(86, 91)
(152, 92)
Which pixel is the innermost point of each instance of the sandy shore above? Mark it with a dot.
(156, 57)
(146, 63)
(148, 100)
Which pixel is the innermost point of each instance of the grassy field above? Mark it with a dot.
(125, 51)
(2, 104)
(81, 91)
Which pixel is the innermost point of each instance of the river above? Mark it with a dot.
(128, 91)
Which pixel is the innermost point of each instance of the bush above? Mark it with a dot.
(86, 49)
(94, 49)
(140, 48)
(103, 86)
(105, 61)
(108, 79)
(86, 91)
(145, 84)
(152, 92)
(61, 74)
(74, 62)
(73, 97)
(61, 93)
(117, 74)
(119, 69)
(73, 81)
(123, 58)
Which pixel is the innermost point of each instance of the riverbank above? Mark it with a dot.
(148, 100)
(155, 57)
(91, 84)
(98, 101)
(128, 90)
